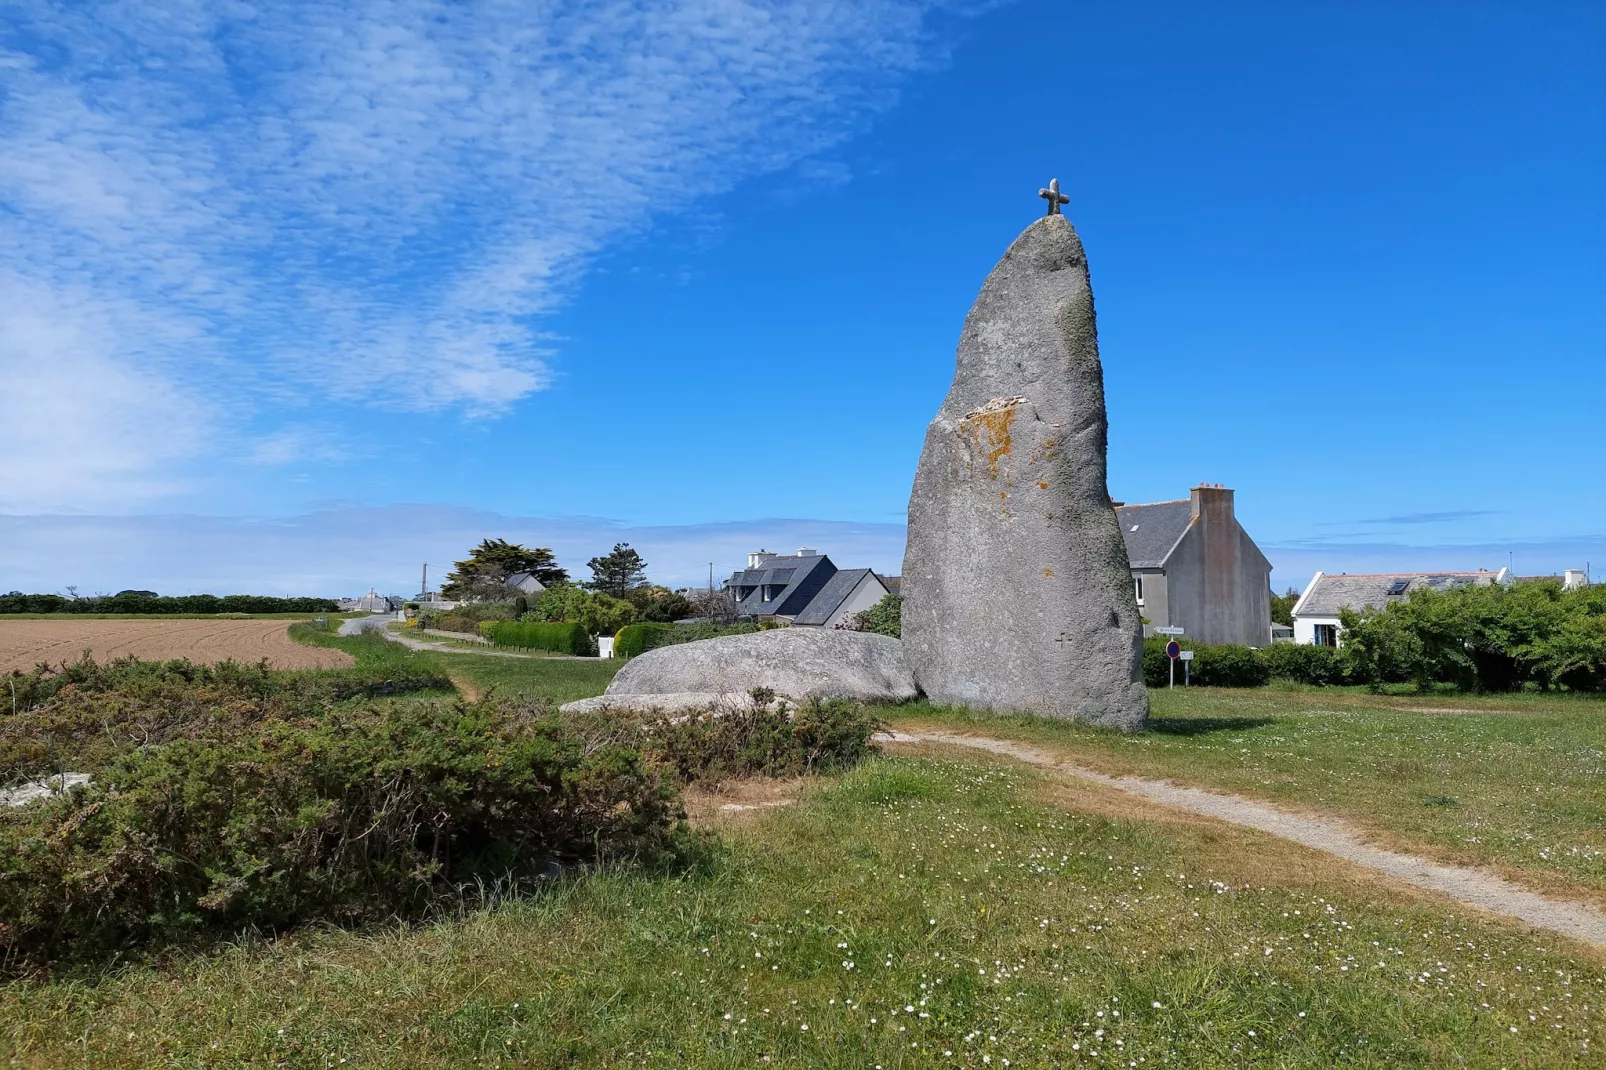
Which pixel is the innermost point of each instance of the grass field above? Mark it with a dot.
(951, 912)
(554, 679)
(915, 913)
(1522, 791)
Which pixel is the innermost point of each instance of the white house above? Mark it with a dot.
(1316, 613)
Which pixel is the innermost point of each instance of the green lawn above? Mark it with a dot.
(1523, 791)
(914, 913)
(554, 679)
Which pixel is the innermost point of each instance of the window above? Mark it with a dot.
(1398, 587)
(1137, 583)
(1326, 635)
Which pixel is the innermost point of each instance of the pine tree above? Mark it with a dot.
(618, 572)
(491, 562)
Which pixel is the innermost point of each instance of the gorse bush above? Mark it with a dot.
(819, 736)
(542, 635)
(636, 639)
(87, 713)
(363, 814)
(233, 798)
(144, 602)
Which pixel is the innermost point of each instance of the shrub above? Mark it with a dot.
(770, 740)
(86, 714)
(599, 614)
(636, 639)
(1306, 664)
(1227, 665)
(691, 633)
(362, 815)
(883, 618)
(543, 635)
(455, 622)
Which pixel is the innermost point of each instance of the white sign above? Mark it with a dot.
(1168, 631)
(1186, 655)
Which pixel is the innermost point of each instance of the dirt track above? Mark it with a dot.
(24, 643)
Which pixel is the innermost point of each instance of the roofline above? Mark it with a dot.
(1185, 529)
(1142, 505)
(1419, 572)
(1309, 587)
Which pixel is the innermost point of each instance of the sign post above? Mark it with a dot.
(1173, 651)
(1186, 657)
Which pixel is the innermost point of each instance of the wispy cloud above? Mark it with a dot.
(374, 203)
(1448, 517)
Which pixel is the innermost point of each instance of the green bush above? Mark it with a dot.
(883, 618)
(361, 815)
(1304, 663)
(1227, 665)
(85, 714)
(635, 639)
(769, 740)
(691, 633)
(544, 635)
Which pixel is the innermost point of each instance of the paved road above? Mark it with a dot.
(362, 624)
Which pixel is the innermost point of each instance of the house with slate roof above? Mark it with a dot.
(1194, 567)
(805, 589)
(1316, 612)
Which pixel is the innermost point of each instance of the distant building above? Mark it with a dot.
(371, 602)
(525, 583)
(1316, 613)
(805, 589)
(1195, 568)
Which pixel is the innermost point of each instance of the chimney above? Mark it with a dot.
(758, 559)
(806, 551)
(1211, 499)
(1572, 579)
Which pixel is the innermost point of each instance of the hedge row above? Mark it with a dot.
(541, 635)
(17, 602)
(635, 639)
(1231, 665)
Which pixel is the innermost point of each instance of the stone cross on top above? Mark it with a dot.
(1054, 197)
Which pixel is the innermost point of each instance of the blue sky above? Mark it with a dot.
(294, 298)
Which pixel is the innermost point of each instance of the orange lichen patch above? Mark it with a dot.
(1048, 573)
(1042, 486)
(989, 429)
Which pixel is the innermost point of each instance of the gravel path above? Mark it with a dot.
(1470, 886)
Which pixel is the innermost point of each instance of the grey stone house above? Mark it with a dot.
(805, 589)
(1194, 567)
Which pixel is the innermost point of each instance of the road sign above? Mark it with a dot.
(1169, 630)
(1186, 655)
(1173, 649)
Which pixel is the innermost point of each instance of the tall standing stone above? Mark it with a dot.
(1017, 592)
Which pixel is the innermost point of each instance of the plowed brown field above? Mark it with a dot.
(24, 643)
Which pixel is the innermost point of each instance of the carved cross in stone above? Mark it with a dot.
(1054, 197)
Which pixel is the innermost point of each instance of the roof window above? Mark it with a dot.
(1398, 587)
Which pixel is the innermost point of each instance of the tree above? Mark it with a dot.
(484, 574)
(1282, 607)
(883, 618)
(619, 572)
(598, 613)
